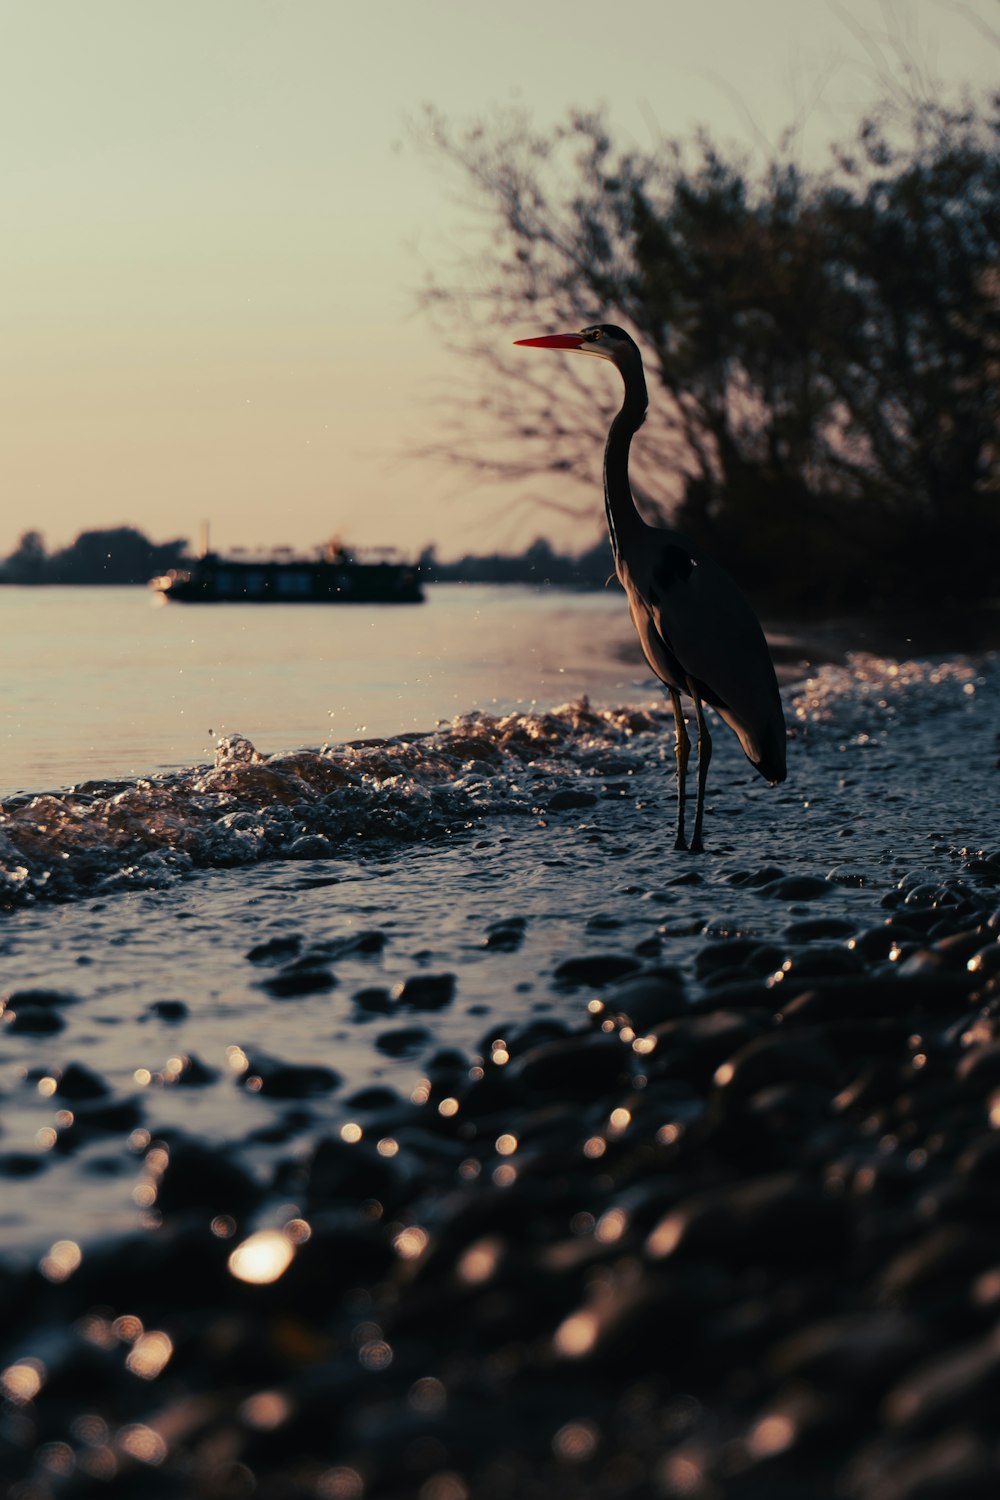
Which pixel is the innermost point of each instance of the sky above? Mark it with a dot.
(214, 221)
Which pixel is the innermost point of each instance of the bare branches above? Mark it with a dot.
(805, 333)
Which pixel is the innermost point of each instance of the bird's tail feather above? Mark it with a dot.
(766, 753)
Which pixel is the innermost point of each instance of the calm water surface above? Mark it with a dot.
(115, 682)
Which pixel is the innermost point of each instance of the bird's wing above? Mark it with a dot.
(707, 632)
(655, 648)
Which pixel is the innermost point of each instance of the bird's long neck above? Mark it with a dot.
(623, 518)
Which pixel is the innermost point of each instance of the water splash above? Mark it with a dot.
(105, 836)
(101, 837)
(869, 693)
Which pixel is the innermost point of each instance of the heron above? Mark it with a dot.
(698, 633)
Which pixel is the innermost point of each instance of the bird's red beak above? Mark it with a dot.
(555, 341)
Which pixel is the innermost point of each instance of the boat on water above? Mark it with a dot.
(335, 576)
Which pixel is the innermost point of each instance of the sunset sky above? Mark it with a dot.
(213, 219)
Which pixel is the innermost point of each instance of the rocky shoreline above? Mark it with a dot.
(732, 1235)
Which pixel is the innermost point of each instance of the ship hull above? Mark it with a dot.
(218, 581)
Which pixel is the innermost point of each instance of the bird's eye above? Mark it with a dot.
(595, 334)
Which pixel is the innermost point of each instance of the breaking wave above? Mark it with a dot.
(100, 837)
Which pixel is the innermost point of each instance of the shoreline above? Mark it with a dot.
(678, 1231)
(552, 1161)
(507, 649)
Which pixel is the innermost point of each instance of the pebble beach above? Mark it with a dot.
(407, 1119)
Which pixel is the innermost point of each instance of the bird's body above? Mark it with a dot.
(697, 632)
(682, 604)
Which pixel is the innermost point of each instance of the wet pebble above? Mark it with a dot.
(426, 991)
(192, 1073)
(594, 969)
(695, 1046)
(569, 798)
(778, 1218)
(648, 998)
(754, 879)
(979, 1069)
(941, 1390)
(37, 1020)
(956, 1463)
(278, 1079)
(275, 949)
(21, 1163)
(169, 1010)
(934, 1268)
(43, 999)
(769, 1060)
(822, 961)
(980, 1161)
(367, 944)
(878, 942)
(731, 989)
(310, 846)
(102, 1117)
(746, 954)
(405, 1041)
(447, 1063)
(188, 1176)
(817, 929)
(985, 962)
(295, 982)
(376, 1096)
(956, 948)
(864, 995)
(783, 1112)
(863, 1350)
(848, 876)
(796, 888)
(576, 1066)
(77, 1081)
(355, 1172)
(375, 1000)
(507, 935)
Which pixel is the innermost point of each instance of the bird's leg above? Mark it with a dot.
(682, 748)
(704, 760)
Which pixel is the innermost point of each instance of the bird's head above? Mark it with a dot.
(605, 340)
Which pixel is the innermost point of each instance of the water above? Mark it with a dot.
(374, 863)
(114, 682)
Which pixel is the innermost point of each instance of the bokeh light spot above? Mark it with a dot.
(61, 1261)
(142, 1443)
(265, 1410)
(576, 1442)
(340, 1484)
(577, 1334)
(262, 1258)
(478, 1262)
(410, 1242)
(21, 1383)
(149, 1355)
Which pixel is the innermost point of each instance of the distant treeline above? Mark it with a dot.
(120, 555)
(124, 555)
(536, 564)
